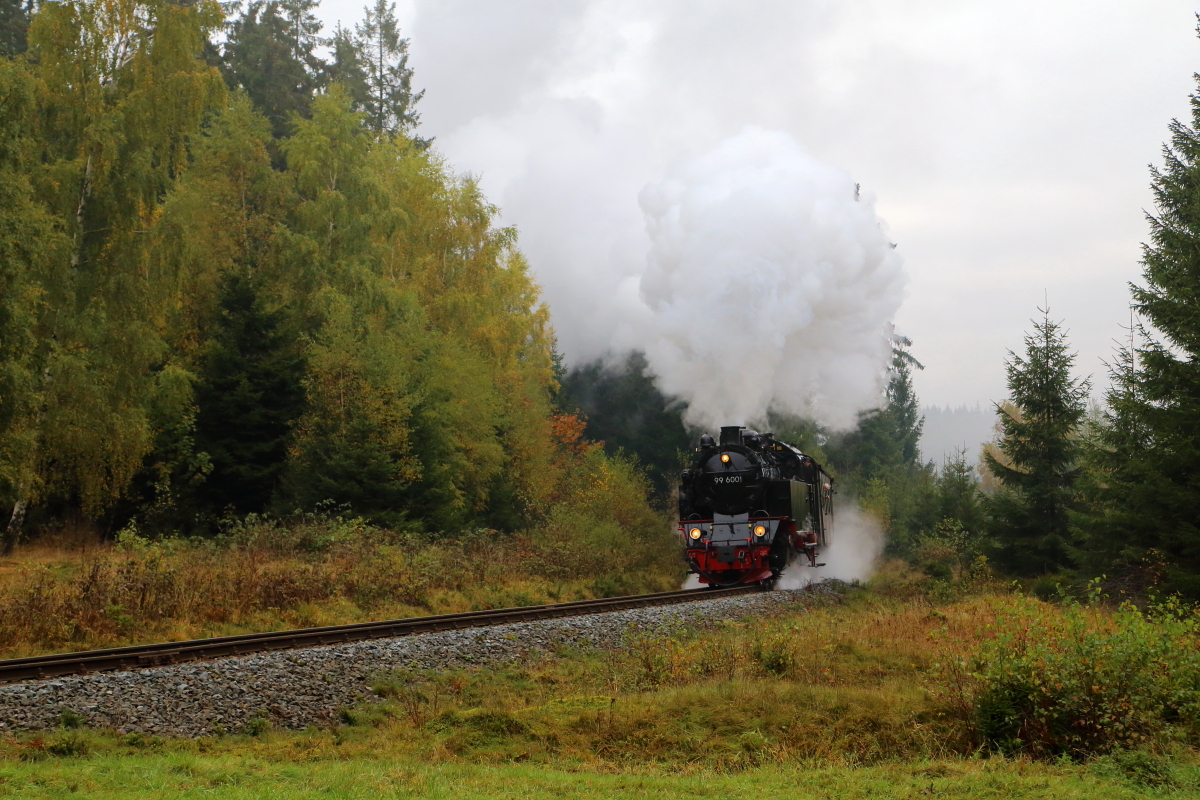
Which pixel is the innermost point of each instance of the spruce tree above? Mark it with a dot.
(1148, 529)
(880, 460)
(626, 411)
(346, 67)
(249, 396)
(271, 55)
(958, 493)
(1038, 456)
(390, 103)
(886, 439)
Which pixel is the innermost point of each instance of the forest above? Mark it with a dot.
(237, 281)
(239, 288)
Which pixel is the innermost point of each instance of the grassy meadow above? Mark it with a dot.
(888, 691)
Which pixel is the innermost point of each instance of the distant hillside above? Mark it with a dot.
(949, 429)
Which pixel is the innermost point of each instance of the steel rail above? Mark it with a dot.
(152, 655)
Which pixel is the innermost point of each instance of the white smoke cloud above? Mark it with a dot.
(964, 117)
(769, 283)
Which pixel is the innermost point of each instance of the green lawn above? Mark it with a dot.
(226, 776)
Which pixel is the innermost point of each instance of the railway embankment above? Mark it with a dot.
(303, 687)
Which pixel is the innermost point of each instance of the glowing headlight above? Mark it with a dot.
(759, 530)
(694, 533)
(724, 458)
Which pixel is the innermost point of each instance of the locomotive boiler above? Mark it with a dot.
(749, 504)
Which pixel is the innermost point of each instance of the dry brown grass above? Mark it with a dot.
(267, 577)
(838, 684)
(61, 549)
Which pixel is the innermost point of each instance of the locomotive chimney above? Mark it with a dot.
(731, 434)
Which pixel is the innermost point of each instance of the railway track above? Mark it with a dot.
(153, 655)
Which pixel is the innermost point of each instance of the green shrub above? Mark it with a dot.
(69, 743)
(257, 725)
(615, 584)
(1049, 588)
(775, 653)
(1075, 682)
(948, 552)
(70, 718)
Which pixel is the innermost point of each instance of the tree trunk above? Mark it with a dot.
(13, 531)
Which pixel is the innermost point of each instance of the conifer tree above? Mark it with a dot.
(880, 460)
(958, 493)
(271, 55)
(216, 240)
(390, 103)
(249, 396)
(885, 440)
(346, 67)
(1148, 529)
(1037, 459)
(626, 411)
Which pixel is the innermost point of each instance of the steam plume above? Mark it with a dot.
(770, 283)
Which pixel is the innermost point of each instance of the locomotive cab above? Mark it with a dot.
(748, 504)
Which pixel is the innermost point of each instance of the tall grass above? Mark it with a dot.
(827, 684)
(314, 570)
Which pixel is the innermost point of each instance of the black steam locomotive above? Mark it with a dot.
(748, 503)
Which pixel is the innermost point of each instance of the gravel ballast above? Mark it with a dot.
(298, 688)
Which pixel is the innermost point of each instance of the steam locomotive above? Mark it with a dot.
(748, 504)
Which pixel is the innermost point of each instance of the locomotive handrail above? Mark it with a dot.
(162, 653)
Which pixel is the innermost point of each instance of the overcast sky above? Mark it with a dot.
(1005, 143)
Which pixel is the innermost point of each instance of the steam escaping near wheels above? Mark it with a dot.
(854, 554)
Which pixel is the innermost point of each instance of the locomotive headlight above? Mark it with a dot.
(759, 530)
(724, 458)
(694, 533)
